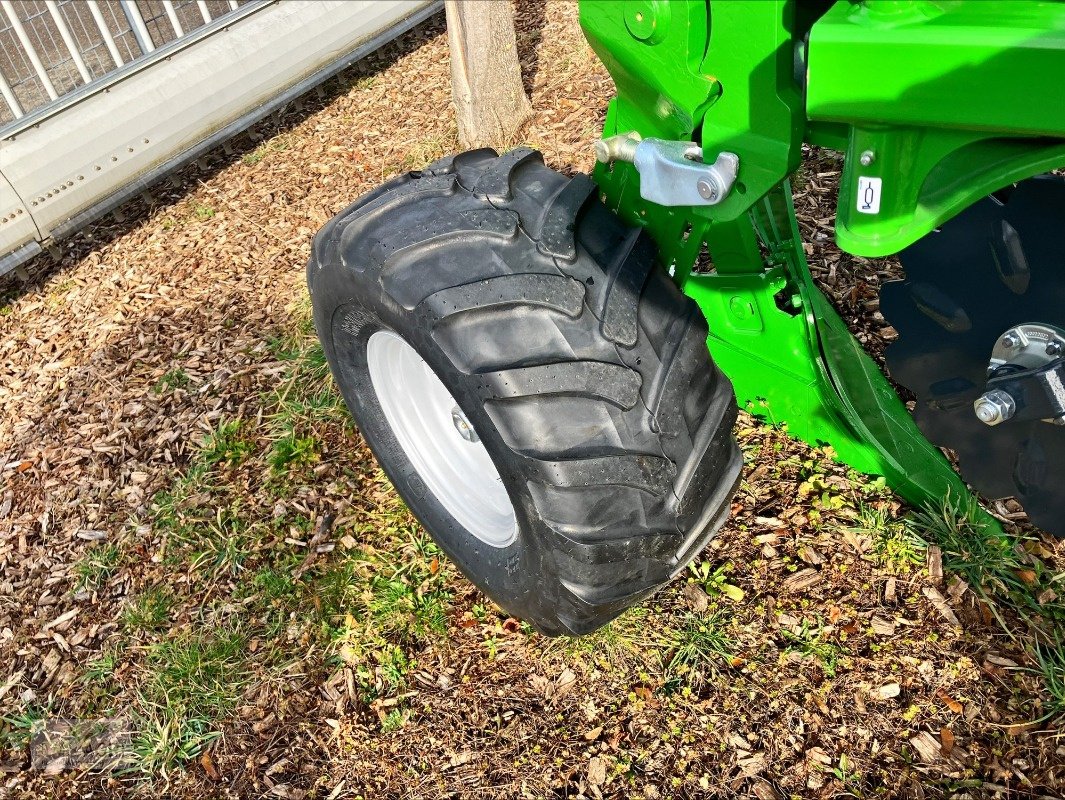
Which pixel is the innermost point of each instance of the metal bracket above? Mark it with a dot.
(673, 173)
(1026, 377)
(1036, 394)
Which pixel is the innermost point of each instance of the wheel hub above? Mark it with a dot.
(439, 440)
(1020, 353)
(1028, 346)
(463, 426)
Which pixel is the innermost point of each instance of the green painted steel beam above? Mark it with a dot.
(978, 66)
(948, 102)
(945, 102)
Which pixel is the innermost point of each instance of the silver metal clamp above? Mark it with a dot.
(673, 173)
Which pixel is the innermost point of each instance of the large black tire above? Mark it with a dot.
(582, 368)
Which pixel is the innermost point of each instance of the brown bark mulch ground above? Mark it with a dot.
(194, 539)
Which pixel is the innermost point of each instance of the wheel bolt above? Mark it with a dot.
(1010, 340)
(994, 407)
(1054, 349)
(462, 425)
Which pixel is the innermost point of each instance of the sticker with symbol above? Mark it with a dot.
(869, 195)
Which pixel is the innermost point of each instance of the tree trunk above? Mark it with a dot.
(490, 101)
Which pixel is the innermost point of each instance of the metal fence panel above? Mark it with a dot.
(48, 48)
(71, 160)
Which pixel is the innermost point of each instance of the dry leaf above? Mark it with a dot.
(1027, 575)
(950, 702)
(946, 739)
(597, 771)
(208, 766)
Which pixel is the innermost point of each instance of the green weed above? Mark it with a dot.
(811, 641)
(226, 445)
(714, 581)
(625, 642)
(292, 452)
(395, 720)
(276, 145)
(423, 152)
(172, 379)
(102, 667)
(216, 545)
(275, 584)
(895, 543)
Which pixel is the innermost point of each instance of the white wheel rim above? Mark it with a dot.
(427, 422)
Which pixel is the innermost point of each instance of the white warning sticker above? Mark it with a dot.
(869, 195)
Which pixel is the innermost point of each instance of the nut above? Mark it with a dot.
(994, 407)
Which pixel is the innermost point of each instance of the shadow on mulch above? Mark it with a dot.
(530, 28)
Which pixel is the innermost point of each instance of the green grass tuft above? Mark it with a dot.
(150, 610)
(699, 645)
(1050, 663)
(189, 683)
(97, 565)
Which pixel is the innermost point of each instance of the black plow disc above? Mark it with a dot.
(997, 265)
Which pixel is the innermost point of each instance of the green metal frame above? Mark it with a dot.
(947, 101)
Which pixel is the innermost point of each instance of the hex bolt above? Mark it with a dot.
(707, 190)
(1011, 340)
(994, 407)
(867, 158)
(1054, 349)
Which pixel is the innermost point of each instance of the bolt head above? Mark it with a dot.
(867, 158)
(994, 407)
(1054, 349)
(706, 189)
(462, 425)
(1011, 340)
